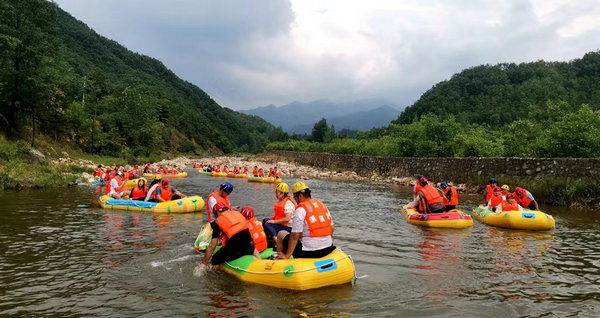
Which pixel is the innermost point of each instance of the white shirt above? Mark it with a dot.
(299, 225)
(289, 207)
(151, 191)
(211, 203)
(114, 185)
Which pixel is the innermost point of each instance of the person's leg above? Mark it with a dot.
(283, 238)
(269, 229)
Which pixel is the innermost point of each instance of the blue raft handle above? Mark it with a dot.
(527, 215)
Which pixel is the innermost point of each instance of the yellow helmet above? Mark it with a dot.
(283, 187)
(505, 187)
(158, 177)
(299, 186)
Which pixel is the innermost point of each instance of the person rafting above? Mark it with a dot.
(428, 199)
(139, 191)
(255, 228)
(114, 188)
(153, 186)
(496, 200)
(505, 190)
(488, 190)
(219, 196)
(271, 173)
(98, 172)
(246, 171)
(255, 171)
(166, 193)
(526, 199)
(146, 168)
(231, 228)
(225, 169)
(260, 173)
(134, 173)
(277, 173)
(450, 196)
(510, 204)
(417, 188)
(174, 170)
(283, 212)
(312, 228)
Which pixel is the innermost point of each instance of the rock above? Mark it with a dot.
(65, 154)
(529, 172)
(34, 156)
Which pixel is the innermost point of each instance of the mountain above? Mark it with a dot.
(287, 118)
(133, 105)
(363, 120)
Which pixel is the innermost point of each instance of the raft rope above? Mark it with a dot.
(285, 272)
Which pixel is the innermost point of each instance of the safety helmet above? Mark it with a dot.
(164, 181)
(120, 173)
(510, 196)
(247, 212)
(299, 186)
(518, 190)
(497, 189)
(422, 180)
(218, 207)
(158, 177)
(443, 185)
(505, 187)
(493, 180)
(227, 187)
(283, 187)
(419, 177)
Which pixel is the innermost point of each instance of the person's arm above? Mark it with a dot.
(530, 196)
(209, 252)
(158, 197)
(177, 192)
(414, 202)
(292, 242)
(289, 213)
(449, 195)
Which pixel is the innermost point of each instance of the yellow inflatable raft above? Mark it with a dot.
(185, 205)
(218, 174)
(241, 175)
(179, 175)
(299, 274)
(454, 219)
(518, 220)
(271, 180)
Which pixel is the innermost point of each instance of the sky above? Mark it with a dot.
(247, 54)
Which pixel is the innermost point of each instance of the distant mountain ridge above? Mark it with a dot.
(354, 115)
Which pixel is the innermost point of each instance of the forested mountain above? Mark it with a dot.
(500, 94)
(133, 103)
(286, 116)
(541, 109)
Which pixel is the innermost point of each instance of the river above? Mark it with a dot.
(64, 256)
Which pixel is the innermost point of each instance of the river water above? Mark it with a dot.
(62, 255)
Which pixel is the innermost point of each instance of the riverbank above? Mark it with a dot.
(558, 191)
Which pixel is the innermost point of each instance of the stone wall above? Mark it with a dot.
(452, 169)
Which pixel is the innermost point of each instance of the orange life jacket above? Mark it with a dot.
(278, 173)
(496, 200)
(509, 207)
(258, 234)
(217, 170)
(279, 209)
(525, 201)
(174, 171)
(215, 194)
(317, 218)
(230, 223)
(126, 177)
(119, 182)
(226, 170)
(98, 172)
(490, 192)
(453, 197)
(137, 193)
(432, 196)
(271, 173)
(261, 174)
(133, 174)
(418, 188)
(255, 172)
(166, 195)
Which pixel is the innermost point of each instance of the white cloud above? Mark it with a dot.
(253, 53)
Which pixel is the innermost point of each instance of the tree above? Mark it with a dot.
(321, 132)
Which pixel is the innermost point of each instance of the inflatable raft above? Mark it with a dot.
(455, 219)
(204, 172)
(298, 274)
(203, 238)
(518, 220)
(97, 182)
(240, 175)
(264, 180)
(185, 205)
(218, 174)
(179, 175)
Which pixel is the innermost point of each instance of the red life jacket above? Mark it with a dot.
(258, 234)
(137, 192)
(453, 197)
(525, 201)
(271, 173)
(496, 200)
(231, 223)
(119, 182)
(226, 170)
(432, 196)
(489, 193)
(317, 218)
(174, 171)
(279, 209)
(133, 174)
(98, 172)
(215, 194)
(509, 207)
(278, 173)
(255, 172)
(261, 174)
(418, 188)
(165, 194)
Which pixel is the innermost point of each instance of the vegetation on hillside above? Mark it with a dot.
(133, 105)
(528, 110)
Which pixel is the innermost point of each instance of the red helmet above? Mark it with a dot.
(423, 180)
(518, 190)
(247, 212)
(218, 207)
(497, 189)
(510, 196)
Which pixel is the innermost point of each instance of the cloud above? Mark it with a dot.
(253, 53)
